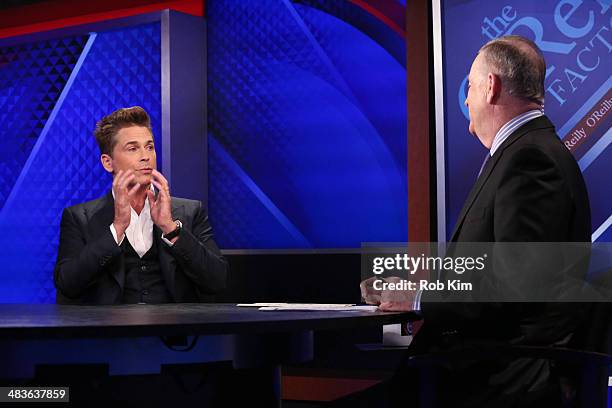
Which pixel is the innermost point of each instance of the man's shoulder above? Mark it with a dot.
(543, 143)
(538, 137)
(536, 131)
(188, 204)
(87, 206)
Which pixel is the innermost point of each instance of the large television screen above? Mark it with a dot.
(576, 40)
(307, 124)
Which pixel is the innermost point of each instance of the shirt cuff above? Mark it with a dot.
(167, 241)
(114, 232)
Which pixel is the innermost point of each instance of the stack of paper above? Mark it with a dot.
(310, 306)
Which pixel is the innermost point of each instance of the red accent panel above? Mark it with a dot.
(65, 13)
(388, 11)
(302, 388)
(417, 71)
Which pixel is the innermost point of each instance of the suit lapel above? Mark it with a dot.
(100, 218)
(537, 123)
(486, 172)
(167, 262)
(101, 215)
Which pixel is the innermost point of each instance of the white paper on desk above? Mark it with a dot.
(330, 306)
(320, 307)
(260, 304)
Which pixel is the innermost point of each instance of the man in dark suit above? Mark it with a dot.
(529, 189)
(137, 244)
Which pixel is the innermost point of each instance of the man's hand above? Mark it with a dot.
(387, 300)
(396, 300)
(370, 295)
(123, 194)
(161, 207)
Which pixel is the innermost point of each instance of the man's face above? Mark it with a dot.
(476, 100)
(134, 149)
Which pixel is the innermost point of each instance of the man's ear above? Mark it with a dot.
(107, 163)
(493, 87)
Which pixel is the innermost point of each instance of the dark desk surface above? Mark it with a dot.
(47, 321)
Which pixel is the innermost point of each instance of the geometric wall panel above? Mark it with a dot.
(307, 126)
(115, 68)
(32, 77)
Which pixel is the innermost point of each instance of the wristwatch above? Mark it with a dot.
(176, 232)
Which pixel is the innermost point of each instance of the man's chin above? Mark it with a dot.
(143, 182)
(472, 130)
(473, 133)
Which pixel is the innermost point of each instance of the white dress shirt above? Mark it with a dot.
(508, 128)
(140, 231)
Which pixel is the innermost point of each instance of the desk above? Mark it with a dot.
(127, 337)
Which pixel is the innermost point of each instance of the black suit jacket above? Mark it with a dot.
(90, 270)
(530, 190)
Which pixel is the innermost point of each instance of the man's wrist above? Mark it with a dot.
(118, 238)
(171, 237)
(119, 229)
(168, 227)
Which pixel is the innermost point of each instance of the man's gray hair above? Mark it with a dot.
(520, 65)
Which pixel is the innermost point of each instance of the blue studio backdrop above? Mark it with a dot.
(307, 125)
(52, 94)
(575, 37)
(306, 128)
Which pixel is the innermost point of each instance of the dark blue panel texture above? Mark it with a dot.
(307, 122)
(60, 165)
